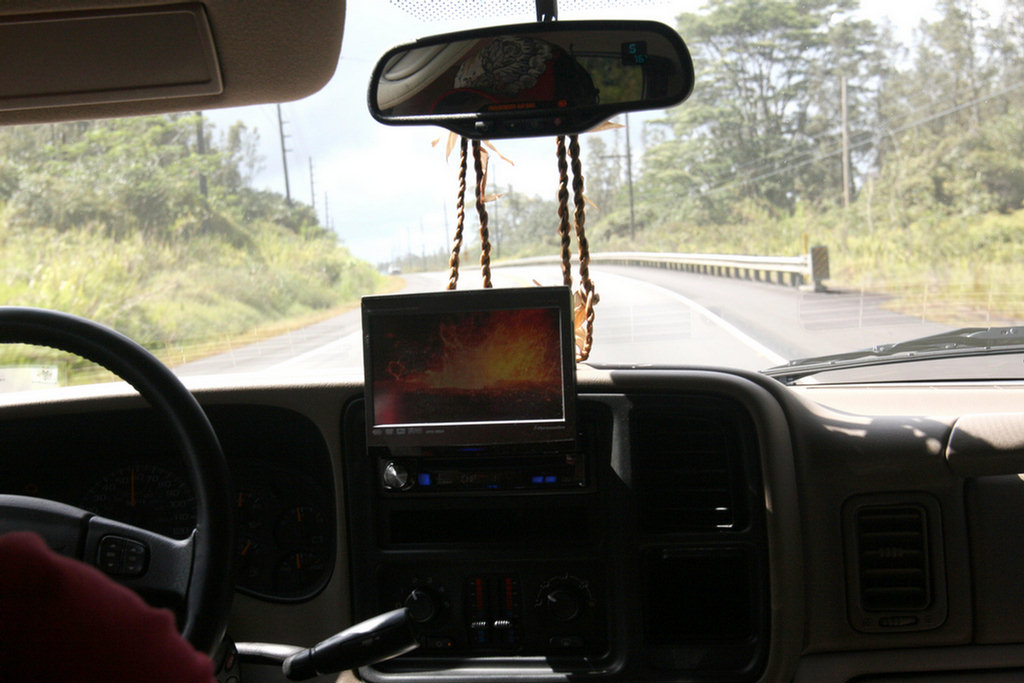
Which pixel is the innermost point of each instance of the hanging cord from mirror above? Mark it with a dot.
(480, 171)
(460, 218)
(586, 298)
(481, 211)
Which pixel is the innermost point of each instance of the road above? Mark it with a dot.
(645, 316)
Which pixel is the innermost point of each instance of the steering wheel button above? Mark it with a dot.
(122, 556)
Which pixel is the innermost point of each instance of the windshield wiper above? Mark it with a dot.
(966, 341)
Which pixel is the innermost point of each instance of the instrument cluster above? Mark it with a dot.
(279, 465)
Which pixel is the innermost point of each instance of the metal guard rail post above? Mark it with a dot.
(807, 271)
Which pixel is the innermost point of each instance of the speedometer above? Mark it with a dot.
(147, 496)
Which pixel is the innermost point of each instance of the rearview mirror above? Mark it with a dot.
(531, 79)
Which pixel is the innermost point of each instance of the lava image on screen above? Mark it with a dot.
(467, 367)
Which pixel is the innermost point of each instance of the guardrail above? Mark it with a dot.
(807, 271)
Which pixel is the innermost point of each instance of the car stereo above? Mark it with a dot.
(472, 390)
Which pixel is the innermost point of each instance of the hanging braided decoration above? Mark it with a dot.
(481, 212)
(585, 299)
(480, 171)
(584, 314)
(460, 218)
(563, 210)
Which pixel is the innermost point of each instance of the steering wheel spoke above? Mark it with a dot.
(60, 525)
(147, 562)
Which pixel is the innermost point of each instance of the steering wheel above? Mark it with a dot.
(196, 572)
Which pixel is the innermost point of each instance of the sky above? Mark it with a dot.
(387, 190)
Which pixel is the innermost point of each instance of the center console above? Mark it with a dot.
(537, 533)
(499, 553)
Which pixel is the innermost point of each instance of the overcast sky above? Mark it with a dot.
(388, 190)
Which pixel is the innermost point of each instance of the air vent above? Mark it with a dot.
(894, 563)
(892, 554)
(688, 470)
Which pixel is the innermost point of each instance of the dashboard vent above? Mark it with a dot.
(894, 562)
(688, 468)
(892, 553)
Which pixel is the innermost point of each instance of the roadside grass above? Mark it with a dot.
(84, 372)
(182, 300)
(956, 270)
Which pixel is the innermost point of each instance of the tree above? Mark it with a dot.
(139, 175)
(762, 123)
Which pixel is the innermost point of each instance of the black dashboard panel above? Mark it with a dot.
(124, 465)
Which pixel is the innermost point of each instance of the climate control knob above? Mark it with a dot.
(563, 604)
(564, 598)
(422, 605)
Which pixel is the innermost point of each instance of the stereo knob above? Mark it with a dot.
(396, 477)
(422, 606)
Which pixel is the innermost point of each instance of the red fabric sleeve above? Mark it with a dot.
(62, 620)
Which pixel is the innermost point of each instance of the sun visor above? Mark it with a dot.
(55, 60)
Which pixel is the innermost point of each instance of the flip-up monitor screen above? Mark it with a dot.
(478, 367)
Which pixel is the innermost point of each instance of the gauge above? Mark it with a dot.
(146, 496)
(302, 525)
(256, 508)
(250, 563)
(285, 540)
(253, 505)
(299, 570)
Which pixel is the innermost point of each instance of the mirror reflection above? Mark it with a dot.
(533, 68)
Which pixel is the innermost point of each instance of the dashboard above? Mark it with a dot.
(710, 525)
(123, 465)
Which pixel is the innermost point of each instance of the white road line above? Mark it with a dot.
(728, 327)
(338, 345)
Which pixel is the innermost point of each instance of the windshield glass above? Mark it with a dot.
(843, 176)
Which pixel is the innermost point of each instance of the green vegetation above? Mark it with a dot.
(134, 224)
(931, 207)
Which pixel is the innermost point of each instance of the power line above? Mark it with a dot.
(768, 159)
(869, 140)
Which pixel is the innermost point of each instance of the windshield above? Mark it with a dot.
(842, 177)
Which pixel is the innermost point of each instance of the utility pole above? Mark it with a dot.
(846, 144)
(629, 179)
(327, 213)
(871, 191)
(201, 150)
(423, 246)
(312, 188)
(497, 225)
(284, 157)
(447, 234)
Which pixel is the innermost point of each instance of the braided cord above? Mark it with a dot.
(563, 210)
(580, 217)
(460, 218)
(481, 212)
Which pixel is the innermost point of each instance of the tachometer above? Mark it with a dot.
(147, 496)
